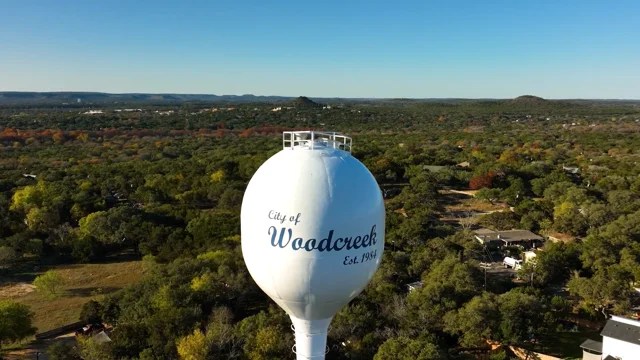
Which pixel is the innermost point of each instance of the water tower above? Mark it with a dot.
(313, 228)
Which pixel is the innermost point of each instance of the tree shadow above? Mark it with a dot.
(90, 291)
(124, 256)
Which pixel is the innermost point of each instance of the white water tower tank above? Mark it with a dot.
(312, 225)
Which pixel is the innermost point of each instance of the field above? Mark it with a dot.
(463, 208)
(83, 282)
(567, 344)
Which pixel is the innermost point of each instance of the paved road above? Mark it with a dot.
(497, 268)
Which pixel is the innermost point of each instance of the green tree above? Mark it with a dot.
(49, 283)
(516, 191)
(89, 349)
(608, 290)
(477, 321)
(504, 220)
(91, 312)
(490, 195)
(522, 317)
(554, 265)
(265, 335)
(8, 256)
(62, 351)
(15, 322)
(403, 348)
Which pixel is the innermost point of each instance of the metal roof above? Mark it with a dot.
(592, 345)
(507, 235)
(621, 331)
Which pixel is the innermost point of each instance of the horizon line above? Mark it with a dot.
(307, 96)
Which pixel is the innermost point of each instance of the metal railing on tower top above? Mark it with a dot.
(315, 140)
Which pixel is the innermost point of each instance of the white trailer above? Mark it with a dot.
(512, 263)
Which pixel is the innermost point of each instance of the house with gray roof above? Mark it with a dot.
(620, 340)
(514, 237)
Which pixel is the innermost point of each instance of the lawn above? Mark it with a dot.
(83, 282)
(567, 344)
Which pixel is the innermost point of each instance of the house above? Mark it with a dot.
(101, 337)
(620, 340)
(571, 169)
(93, 112)
(414, 285)
(529, 256)
(464, 164)
(515, 237)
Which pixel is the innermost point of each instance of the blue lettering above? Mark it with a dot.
(357, 242)
(372, 236)
(280, 242)
(273, 237)
(347, 241)
(310, 244)
(325, 244)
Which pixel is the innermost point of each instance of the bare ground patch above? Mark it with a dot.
(12, 290)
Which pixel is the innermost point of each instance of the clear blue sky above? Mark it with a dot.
(367, 48)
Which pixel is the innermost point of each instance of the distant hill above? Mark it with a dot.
(305, 102)
(528, 99)
(98, 97)
(74, 98)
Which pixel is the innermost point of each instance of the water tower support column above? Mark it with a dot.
(311, 338)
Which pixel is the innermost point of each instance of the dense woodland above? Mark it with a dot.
(167, 182)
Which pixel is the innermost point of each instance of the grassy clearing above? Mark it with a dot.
(83, 282)
(475, 205)
(567, 344)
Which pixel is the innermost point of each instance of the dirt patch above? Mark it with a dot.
(31, 350)
(15, 290)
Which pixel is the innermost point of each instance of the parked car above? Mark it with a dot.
(90, 329)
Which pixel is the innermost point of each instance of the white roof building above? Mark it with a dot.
(620, 340)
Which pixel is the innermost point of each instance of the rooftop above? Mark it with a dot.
(507, 235)
(622, 329)
(592, 345)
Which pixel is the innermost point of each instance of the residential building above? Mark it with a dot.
(529, 256)
(620, 340)
(414, 285)
(571, 169)
(514, 237)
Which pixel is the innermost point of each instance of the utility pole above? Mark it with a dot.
(485, 278)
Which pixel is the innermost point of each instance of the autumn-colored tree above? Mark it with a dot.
(194, 346)
(482, 181)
